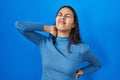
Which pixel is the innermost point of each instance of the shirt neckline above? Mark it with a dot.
(62, 38)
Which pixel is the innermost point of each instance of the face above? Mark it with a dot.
(65, 19)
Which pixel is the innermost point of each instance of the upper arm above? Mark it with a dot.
(91, 58)
(94, 63)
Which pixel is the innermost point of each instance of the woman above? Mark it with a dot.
(63, 51)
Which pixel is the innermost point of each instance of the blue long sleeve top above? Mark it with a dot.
(57, 62)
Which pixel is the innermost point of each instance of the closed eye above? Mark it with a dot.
(59, 14)
(68, 16)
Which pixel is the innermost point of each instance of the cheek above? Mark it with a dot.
(56, 20)
(70, 22)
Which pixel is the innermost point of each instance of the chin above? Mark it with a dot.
(60, 27)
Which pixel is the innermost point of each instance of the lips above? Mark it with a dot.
(61, 22)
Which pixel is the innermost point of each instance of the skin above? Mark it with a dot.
(64, 24)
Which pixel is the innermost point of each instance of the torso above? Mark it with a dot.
(57, 61)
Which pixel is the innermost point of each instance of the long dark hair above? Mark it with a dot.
(74, 36)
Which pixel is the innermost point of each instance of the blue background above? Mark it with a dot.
(100, 28)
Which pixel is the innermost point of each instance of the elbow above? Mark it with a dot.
(19, 26)
(98, 66)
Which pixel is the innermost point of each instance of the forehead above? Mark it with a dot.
(66, 10)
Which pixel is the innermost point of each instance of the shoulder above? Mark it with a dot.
(82, 47)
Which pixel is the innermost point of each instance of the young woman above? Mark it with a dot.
(63, 51)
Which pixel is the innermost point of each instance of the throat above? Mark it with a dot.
(63, 33)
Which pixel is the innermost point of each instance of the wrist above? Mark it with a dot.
(46, 28)
(80, 73)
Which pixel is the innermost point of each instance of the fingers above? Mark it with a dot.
(79, 73)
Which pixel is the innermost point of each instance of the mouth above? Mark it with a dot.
(61, 22)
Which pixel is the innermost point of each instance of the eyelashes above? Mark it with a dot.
(66, 15)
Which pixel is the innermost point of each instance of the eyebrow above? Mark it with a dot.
(65, 14)
(69, 14)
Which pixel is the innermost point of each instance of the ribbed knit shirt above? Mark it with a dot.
(57, 62)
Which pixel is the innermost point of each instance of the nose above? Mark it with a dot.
(63, 17)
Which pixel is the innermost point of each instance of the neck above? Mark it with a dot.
(63, 33)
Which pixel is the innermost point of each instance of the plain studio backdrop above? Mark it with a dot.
(99, 26)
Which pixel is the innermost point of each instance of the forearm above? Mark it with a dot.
(86, 70)
(29, 26)
(90, 68)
